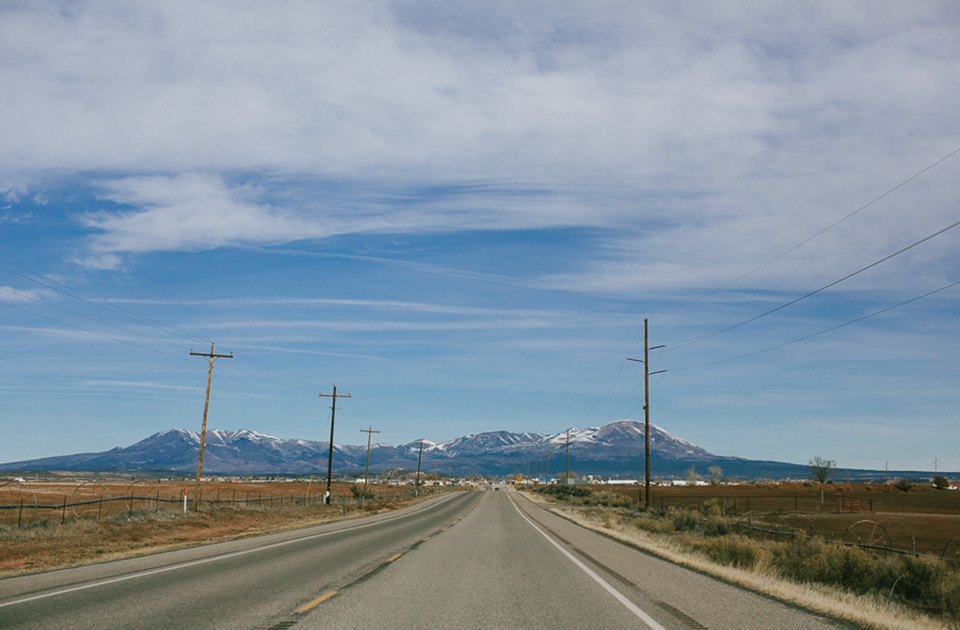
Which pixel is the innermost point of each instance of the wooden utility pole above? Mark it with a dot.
(416, 485)
(366, 471)
(646, 409)
(566, 477)
(333, 417)
(546, 476)
(211, 357)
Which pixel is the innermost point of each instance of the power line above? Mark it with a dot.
(831, 329)
(92, 319)
(818, 234)
(105, 305)
(97, 302)
(251, 387)
(694, 340)
(91, 332)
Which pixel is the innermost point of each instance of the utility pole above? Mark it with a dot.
(333, 417)
(366, 471)
(416, 485)
(936, 466)
(211, 357)
(646, 409)
(546, 477)
(566, 477)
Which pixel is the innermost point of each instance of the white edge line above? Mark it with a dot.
(647, 619)
(194, 563)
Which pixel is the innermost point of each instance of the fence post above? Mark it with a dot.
(99, 508)
(20, 514)
(795, 508)
(63, 512)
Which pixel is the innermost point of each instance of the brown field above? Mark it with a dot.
(56, 499)
(108, 529)
(924, 519)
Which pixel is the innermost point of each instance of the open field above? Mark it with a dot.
(924, 519)
(111, 529)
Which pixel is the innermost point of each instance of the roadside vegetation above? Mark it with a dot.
(49, 543)
(875, 590)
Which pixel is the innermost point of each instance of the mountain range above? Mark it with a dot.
(613, 449)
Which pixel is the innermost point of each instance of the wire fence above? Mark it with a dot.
(21, 505)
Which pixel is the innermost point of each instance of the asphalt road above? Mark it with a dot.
(468, 560)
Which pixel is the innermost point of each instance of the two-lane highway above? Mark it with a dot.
(466, 560)
(511, 564)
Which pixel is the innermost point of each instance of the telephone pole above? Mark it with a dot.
(366, 471)
(416, 485)
(211, 357)
(546, 475)
(566, 477)
(333, 417)
(646, 409)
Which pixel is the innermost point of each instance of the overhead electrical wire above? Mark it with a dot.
(93, 300)
(689, 342)
(105, 336)
(816, 334)
(107, 306)
(817, 235)
(92, 319)
(765, 264)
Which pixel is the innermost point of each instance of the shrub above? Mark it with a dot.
(715, 526)
(685, 521)
(654, 525)
(903, 484)
(940, 482)
(361, 490)
(733, 552)
(816, 562)
(561, 491)
(607, 499)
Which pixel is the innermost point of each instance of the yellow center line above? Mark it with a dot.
(426, 539)
(394, 557)
(316, 602)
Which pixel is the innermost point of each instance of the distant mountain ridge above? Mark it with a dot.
(615, 448)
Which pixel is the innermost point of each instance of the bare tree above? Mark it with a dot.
(692, 476)
(820, 469)
(716, 474)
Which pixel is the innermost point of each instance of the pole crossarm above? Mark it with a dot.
(211, 357)
(333, 417)
(366, 471)
(646, 406)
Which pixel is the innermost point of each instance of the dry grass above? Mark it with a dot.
(47, 544)
(659, 537)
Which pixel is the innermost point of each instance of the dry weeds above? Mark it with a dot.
(864, 610)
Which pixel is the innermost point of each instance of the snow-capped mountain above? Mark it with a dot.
(615, 447)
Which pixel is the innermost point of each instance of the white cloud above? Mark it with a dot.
(702, 139)
(188, 212)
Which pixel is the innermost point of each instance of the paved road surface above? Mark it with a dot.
(468, 560)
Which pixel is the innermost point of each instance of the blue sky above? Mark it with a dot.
(461, 216)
